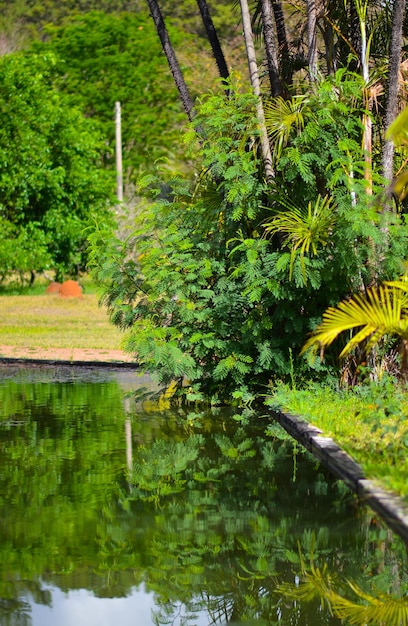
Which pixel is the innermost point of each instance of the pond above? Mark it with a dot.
(115, 513)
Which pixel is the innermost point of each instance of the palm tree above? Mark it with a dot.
(270, 48)
(214, 41)
(256, 86)
(393, 71)
(311, 37)
(171, 58)
(282, 41)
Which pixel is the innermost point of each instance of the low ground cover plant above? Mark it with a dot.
(369, 421)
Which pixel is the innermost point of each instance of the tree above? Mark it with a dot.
(311, 37)
(271, 48)
(224, 276)
(379, 313)
(393, 84)
(101, 59)
(213, 39)
(50, 173)
(171, 57)
(254, 78)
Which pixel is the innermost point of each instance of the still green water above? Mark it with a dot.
(116, 514)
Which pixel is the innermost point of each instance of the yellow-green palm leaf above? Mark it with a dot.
(381, 312)
(399, 284)
(398, 130)
(305, 229)
(282, 117)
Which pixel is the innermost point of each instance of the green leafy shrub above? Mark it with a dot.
(214, 297)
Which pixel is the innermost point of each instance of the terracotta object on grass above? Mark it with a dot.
(53, 287)
(70, 289)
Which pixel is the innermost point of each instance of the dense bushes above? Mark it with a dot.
(214, 295)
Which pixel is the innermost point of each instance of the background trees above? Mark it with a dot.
(50, 171)
(103, 58)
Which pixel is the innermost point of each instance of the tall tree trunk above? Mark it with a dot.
(270, 48)
(392, 99)
(171, 58)
(361, 7)
(254, 77)
(354, 36)
(282, 41)
(214, 41)
(311, 39)
(280, 27)
(331, 63)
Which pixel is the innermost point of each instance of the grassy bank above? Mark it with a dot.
(369, 422)
(50, 321)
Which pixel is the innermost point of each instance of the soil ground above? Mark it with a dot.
(74, 355)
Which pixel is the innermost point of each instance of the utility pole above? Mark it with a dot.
(119, 172)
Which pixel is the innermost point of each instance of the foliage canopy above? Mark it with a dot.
(51, 178)
(209, 299)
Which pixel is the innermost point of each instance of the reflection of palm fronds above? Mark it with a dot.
(379, 610)
(316, 584)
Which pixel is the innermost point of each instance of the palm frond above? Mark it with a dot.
(281, 118)
(402, 283)
(398, 130)
(383, 311)
(305, 230)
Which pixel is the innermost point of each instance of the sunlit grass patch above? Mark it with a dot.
(46, 321)
(369, 422)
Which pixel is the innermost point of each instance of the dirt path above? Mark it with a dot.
(74, 355)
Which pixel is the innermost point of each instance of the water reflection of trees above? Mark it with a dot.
(231, 514)
(210, 517)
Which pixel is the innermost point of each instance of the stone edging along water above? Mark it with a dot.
(389, 507)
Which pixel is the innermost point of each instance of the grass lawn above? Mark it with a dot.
(369, 422)
(50, 321)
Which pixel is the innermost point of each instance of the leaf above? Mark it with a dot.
(381, 312)
(252, 255)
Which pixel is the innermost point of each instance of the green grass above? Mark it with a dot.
(49, 321)
(369, 422)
